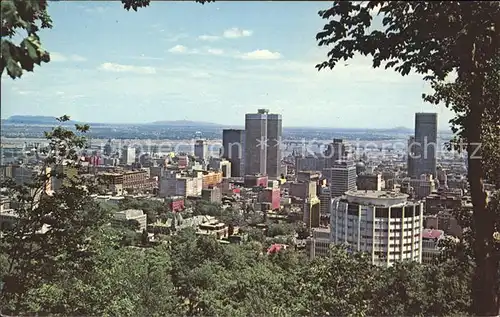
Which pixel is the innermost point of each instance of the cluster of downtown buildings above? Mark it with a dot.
(396, 207)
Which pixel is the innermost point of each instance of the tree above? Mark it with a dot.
(144, 238)
(54, 231)
(337, 285)
(434, 39)
(152, 208)
(280, 229)
(30, 16)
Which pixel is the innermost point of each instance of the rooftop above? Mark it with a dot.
(131, 212)
(376, 194)
(432, 234)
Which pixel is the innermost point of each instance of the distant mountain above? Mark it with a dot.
(18, 119)
(185, 123)
(401, 130)
(47, 120)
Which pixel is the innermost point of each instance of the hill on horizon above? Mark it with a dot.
(50, 120)
(34, 119)
(186, 123)
(29, 119)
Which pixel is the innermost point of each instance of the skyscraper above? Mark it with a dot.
(274, 134)
(410, 160)
(426, 143)
(128, 155)
(256, 142)
(341, 177)
(201, 150)
(335, 151)
(233, 149)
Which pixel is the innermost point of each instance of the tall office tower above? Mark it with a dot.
(201, 150)
(108, 148)
(341, 177)
(386, 226)
(256, 142)
(274, 134)
(233, 149)
(410, 160)
(128, 155)
(335, 151)
(426, 140)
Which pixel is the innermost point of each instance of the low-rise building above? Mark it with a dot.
(213, 195)
(366, 181)
(211, 179)
(255, 180)
(271, 196)
(318, 244)
(213, 228)
(430, 245)
(174, 184)
(131, 214)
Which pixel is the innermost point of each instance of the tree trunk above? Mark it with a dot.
(485, 283)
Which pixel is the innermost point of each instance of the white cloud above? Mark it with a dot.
(235, 33)
(119, 68)
(209, 38)
(178, 49)
(215, 51)
(261, 55)
(58, 57)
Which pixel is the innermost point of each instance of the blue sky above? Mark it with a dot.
(213, 62)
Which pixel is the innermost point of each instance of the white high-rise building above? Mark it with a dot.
(128, 155)
(383, 224)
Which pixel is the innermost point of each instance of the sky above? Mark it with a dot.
(212, 63)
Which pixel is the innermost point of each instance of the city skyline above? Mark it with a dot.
(175, 65)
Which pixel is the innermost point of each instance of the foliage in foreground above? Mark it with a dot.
(437, 39)
(197, 276)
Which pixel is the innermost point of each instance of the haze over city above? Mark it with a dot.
(213, 64)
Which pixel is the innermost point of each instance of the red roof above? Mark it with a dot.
(274, 248)
(432, 234)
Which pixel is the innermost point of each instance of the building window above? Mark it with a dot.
(381, 212)
(397, 212)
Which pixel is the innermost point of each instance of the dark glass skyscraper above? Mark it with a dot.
(233, 149)
(263, 132)
(425, 144)
(274, 134)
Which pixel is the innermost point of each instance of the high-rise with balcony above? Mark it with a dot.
(426, 143)
(384, 225)
(233, 149)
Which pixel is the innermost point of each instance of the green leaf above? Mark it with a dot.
(13, 69)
